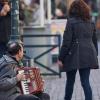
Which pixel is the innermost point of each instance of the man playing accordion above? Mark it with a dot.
(9, 77)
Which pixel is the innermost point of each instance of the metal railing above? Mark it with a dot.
(51, 47)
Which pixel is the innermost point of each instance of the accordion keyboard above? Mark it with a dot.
(24, 83)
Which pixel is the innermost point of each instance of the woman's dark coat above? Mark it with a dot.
(79, 48)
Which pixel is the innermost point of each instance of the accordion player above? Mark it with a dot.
(33, 82)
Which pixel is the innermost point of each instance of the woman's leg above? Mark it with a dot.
(70, 84)
(84, 77)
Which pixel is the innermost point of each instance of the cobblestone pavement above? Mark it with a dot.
(55, 86)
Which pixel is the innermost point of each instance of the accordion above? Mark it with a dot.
(33, 82)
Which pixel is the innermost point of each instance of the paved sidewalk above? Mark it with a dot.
(55, 86)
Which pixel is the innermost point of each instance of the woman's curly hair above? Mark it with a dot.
(80, 9)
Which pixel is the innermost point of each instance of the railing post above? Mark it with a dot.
(15, 20)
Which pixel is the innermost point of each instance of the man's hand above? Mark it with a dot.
(3, 13)
(20, 77)
(6, 7)
(5, 10)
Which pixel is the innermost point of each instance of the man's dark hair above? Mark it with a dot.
(13, 48)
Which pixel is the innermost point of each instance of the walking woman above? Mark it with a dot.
(79, 48)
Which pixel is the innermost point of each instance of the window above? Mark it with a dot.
(33, 11)
(40, 12)
(58, 9)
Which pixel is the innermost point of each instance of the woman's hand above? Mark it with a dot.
(60, 63)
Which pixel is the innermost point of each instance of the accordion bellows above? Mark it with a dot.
(33, 82)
